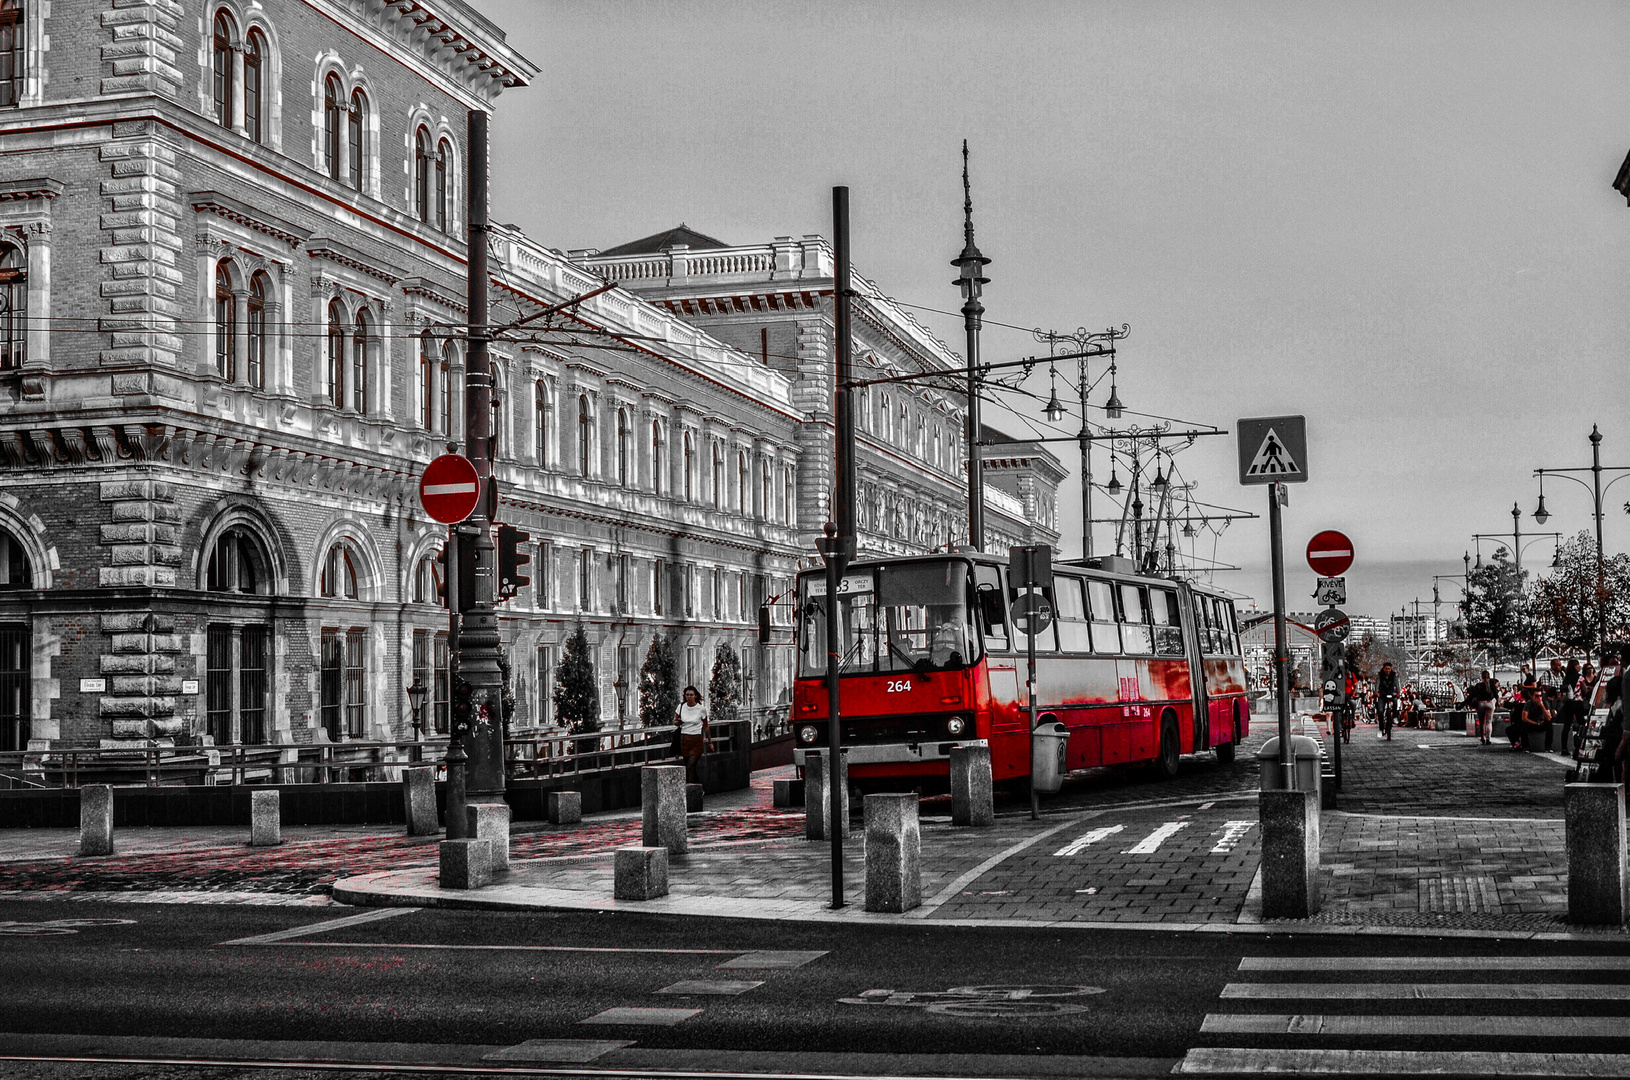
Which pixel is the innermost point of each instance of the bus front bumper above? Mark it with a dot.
(893, 753)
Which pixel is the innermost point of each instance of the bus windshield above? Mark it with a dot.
(913, 616)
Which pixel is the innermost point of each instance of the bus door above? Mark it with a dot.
(1001, 664)
(1198, 645)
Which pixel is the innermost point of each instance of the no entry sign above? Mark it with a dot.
(1330, 553)
(449, 488)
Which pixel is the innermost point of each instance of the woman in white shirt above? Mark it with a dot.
(692, 721)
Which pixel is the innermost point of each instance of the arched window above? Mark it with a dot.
(885, 415)
(13, 307)
(622, 447)
(919, 445)
(444, 408)
(360, 345)
(237, 564)
(12, 67)
(429, 360)
(254, 60)
(226, 324)
(657, 484)
(901, 430)
(14, 569)
(339, 576)
(690, 469)
(500, 401)
(358, 119)
(224, 34)
(444, 154)
(766, 497)
(427, 582)
(718, 478)
(336, 354)
(789, 504)
(421, 174)
(744, 489)
(585, 434)
(333, 117)
(255, 361)
(540, 417)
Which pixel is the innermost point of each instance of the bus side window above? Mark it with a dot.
(1106, 632)
(1073, 635)
(1163, 605)
(1227, 632)
(992, 608)
(1203, 615)
(1135, 631)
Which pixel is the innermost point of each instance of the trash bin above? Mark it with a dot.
(1047, 743)
(1304, 750)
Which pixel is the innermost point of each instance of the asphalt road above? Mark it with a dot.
(427, 988)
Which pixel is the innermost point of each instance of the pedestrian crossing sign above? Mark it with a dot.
(1273, 450)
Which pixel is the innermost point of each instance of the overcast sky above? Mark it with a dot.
(1396, 219)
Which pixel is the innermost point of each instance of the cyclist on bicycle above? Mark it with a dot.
(1349, 708)
(1386, 697)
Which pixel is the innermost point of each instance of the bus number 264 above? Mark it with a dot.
(899, 686)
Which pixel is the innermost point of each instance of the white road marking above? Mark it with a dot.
(623, 1014)
(1080, 843)
(323, 927)
(712, 987)
(1611, 1027)
(1429, 991)
(963, 880)
(1442, 963)
(1151, 843)
(1233, 833)
(773, 959)
(574, 1051)
(1226, 1062)
(1207, 806)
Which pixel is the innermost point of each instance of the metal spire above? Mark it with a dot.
(970, 250)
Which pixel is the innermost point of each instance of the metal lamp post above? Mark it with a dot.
(972, 280)
(1088, 344)
(416, 695)
(1597, 491)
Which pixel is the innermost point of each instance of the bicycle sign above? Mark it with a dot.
(986, 1001)
(57, 926)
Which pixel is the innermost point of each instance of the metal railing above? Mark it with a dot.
(527, 756)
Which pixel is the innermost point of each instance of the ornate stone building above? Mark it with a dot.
(231, 300)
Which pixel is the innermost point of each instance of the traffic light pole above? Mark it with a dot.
(479, 731)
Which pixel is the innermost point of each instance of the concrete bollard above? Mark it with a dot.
(1290, 853)
(787, 793)
(1597, 878)
(894, 879)
(693, 798)
(419, 801)
(265, 818)
(490, 821)
(466, 864)
(564, 807)
(96, 820)
(972, 795)
(640, 873)
(662, 803)
(818, 795)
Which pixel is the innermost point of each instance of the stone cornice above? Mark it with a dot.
(330, 250)
(432, 291)
(37, 188)
(222, 206)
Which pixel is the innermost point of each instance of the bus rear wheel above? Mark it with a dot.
(1227, 751)
(1170, 749)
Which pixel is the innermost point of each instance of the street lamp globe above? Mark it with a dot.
(1054, 410)
(1541, 514)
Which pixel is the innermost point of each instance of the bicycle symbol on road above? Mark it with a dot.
(989, 1001)
(57, 926)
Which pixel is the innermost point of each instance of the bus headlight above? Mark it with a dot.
(956, 725)
(808, 733)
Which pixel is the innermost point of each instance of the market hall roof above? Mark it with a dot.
(680, 236)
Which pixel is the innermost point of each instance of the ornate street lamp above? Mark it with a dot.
(416, 695)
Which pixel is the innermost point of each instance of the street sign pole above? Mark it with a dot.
(1281, 650)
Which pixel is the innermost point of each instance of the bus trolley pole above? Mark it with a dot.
(1281, 654)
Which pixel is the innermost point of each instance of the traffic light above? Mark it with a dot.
(764, 623)
(510, 560)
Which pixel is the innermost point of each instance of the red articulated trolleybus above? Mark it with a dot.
(1138, 668)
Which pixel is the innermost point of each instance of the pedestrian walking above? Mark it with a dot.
(1481, 697)
(1571, 709)
(693, 731)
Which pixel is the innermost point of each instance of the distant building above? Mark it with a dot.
(1418, 629)
(1379, 629)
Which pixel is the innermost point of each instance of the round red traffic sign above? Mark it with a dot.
(1330, 553)
(449, 488)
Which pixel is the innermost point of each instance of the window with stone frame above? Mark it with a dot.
(336, 354)
(14, 568)
(15, 686)
(430, 671)
(546, 685)
(657, 480)
(624, 449)
(585, 435)
(225, 34)
(334, 114)
(235, 683)
(13, 67)
(430, 365)
(421, 173)
(361, 345)
(444, 156)
(545, 572)
(226, 323)
(237, 563)
(540, 421)
(13, 307)
(338, 578)
(344, 682)
(254, 85)
(659, 585)
(718, 477)
(357, 121)
(690, 469)
(744, 488)
(427, 584)
(254, 360)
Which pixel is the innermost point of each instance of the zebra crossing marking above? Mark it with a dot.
(1086, 840)
(1232, 1062)
(1233, 833)
(1151, 843)
(1593, 1027)
(1426, 991)
(1442, 963)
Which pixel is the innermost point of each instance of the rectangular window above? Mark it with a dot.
(585, 580)
(1164, 609)
(688, 574)
(718, 594)
(235, 683)
(544, 572)
(988, 582)
(693, 668)
(1135, 631)
(623, 606)
(1106, 632)
(355, 682)
(14, 687)
(1073, 633)
(332, 681)
(11, 54)
(628, 688)
(546, 684)
(218, 684)
(440, 690)
(659, 581)
(252, 663)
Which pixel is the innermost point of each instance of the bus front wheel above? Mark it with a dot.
(1170, 749)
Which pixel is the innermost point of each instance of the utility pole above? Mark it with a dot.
(478, 641)
(972, 279)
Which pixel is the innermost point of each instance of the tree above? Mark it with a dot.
(659, 683)
(1365, 657)
(1495, 606)
(577, 697)
(724, 686)
(1567, 604)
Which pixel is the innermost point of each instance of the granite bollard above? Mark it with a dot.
(1290, 853)
(466, 863)
(419, 801)
(972, 794)
(693, 798)
(96, 819)
(818, 795)
(894, 880)
(490, 821)
(265, 818)
(1597, 878)
(564, 807)
(787, 792)
(640, 873)
(662, 805)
